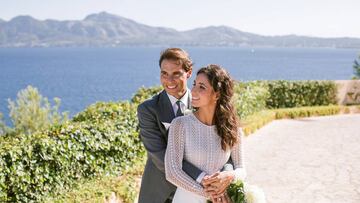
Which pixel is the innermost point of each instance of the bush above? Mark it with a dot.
(42, 163)
(32, 112)
(145, 93)
(250, 97)
(3, 127)
(289, 94)
(125, 187)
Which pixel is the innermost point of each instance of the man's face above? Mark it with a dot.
(173, 78)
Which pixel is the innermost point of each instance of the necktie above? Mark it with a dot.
(179, 112)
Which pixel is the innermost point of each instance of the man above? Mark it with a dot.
(155, 116)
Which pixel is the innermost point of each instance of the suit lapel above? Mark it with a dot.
(166, 112)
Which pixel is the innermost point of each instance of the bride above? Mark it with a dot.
(206, 138)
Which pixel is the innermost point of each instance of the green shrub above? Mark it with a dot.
(3, 127)
(289, 94)
(125, 187)
(108, 111)
(40, 164)
(250, 97)
(145, 93)
(32, 112)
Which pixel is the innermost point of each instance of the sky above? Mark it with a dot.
(321, 18)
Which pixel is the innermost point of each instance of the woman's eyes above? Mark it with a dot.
(201, 86)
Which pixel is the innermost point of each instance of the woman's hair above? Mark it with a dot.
(226, 121)
(178, 55)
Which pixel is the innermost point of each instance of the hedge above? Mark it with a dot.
(289, 94)
(124, 187)
(101, 140)
(250, 97)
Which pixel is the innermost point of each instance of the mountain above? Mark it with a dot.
(104, 29)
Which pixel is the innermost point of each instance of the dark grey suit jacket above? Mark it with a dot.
(153, 133)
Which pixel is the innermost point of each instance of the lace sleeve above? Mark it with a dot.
(237, 157)
(174, 157)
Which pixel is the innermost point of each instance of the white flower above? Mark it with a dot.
(187, 112)
(254, 194)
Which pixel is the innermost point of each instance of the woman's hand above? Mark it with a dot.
(224, 198)
(216, 184)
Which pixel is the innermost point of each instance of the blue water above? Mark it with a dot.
(82, 76)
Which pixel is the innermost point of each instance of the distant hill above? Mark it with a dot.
(105, 30)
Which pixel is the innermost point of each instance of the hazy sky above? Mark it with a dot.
(324, 18)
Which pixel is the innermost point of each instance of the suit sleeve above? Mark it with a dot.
(155, 144)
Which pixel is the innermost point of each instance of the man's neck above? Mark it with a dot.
(180, 95)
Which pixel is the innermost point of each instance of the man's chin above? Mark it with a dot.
(175, 92)
(172, 92)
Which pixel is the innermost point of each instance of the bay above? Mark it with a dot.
(82, 76)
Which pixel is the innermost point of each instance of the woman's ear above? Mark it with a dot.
(188, 74)
(217, 95)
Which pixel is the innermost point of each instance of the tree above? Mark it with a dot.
(32, 112)
(3, 128)
(356, 67)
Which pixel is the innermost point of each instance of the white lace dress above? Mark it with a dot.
(199, 144)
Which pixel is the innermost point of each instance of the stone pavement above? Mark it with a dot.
(310, 160)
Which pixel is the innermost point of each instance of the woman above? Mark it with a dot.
(206, 138)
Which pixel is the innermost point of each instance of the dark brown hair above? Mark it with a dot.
(178, 55)
(226, 121)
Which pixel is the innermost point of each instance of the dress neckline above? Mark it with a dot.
(201, 123)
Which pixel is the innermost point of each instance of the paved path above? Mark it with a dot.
(306, 160)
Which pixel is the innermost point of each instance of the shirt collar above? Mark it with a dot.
(184, 99)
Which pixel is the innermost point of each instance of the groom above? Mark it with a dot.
(155, 116)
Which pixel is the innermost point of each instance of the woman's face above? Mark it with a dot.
(202, 92)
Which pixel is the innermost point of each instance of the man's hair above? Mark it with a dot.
(178, 55)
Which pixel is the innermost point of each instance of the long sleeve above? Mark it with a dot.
(238, 160)
(151, 137)
(174, 158)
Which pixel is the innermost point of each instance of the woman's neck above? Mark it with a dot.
(206, 115)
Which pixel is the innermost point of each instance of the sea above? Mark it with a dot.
(83, 76)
